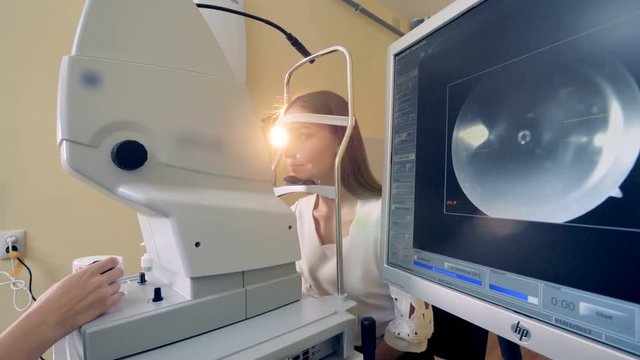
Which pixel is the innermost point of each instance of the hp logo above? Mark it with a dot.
(520, 332)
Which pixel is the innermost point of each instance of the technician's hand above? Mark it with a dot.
(64, 307)
(83, 295)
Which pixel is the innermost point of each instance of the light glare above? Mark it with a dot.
(278, 137)
(475, 135)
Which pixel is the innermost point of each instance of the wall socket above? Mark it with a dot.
(20, 243)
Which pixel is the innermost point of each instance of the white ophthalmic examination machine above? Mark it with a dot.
(150, 111)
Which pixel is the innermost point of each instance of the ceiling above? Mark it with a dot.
(412, 9)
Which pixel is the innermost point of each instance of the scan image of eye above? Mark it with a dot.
(547, 138)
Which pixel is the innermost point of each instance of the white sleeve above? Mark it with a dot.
(413, 323)
(294, 207)
(306, 287)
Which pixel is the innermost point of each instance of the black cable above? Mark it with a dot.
(292, 39)
(30, 278)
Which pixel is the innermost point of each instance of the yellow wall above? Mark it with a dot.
(320, 24)
(64, 218)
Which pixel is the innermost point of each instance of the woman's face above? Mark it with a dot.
(311, 150)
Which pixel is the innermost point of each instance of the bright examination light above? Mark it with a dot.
(278, 137)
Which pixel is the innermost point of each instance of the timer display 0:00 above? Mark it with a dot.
(568, 305)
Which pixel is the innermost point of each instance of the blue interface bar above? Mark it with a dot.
(509, 292)
(448, 273)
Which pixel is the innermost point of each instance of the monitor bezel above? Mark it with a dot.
(545, 339)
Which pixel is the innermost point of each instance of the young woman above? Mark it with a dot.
(403, 323)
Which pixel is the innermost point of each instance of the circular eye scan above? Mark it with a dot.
(547, 141)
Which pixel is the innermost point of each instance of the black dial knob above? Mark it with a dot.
(157, 294)
(142, 278)
(368, 336)
(129, 155)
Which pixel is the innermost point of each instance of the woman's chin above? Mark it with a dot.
(299, 174)
(301, 177)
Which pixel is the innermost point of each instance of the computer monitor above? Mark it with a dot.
(512, 181)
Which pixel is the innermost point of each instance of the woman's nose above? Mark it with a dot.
(290, 151)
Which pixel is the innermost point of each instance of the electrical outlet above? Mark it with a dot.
(19, 243)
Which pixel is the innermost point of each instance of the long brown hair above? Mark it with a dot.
(355, 174)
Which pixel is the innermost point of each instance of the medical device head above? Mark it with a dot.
(150, 112)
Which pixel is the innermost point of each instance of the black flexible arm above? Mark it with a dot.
(292, 39)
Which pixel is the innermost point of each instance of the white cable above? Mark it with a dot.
(17, 285)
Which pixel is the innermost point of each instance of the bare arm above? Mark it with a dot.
(67, 305)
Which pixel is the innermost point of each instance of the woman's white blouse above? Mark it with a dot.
(406, 322)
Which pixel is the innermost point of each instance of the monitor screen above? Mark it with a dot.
(512, 172)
